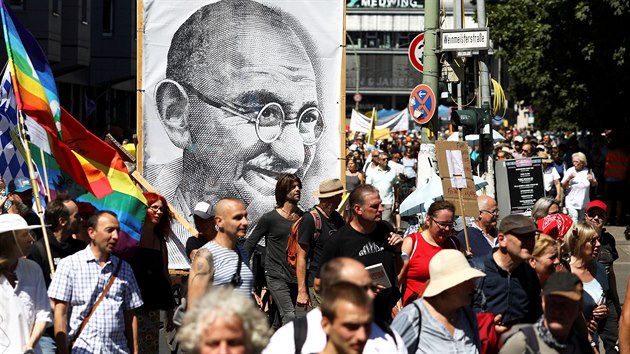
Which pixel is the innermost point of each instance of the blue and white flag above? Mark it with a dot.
(12, 163)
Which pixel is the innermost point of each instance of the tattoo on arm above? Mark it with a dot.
(203, 264)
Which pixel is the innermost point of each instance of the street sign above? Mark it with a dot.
(357, 97)
(464, 39)
(422, 104)
(416, 51)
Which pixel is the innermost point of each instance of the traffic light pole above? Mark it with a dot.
(484, 92)
(429, 77)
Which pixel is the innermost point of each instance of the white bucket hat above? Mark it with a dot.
(11, 222)
(447, 269)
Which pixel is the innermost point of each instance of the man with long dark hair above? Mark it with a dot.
(275, 226)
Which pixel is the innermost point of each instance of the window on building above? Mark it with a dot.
(16, 4)
(84, 12)
(384, 40)
(56, 7)
(108, 17)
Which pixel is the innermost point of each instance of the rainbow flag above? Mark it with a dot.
(68, 166)
(126, 199)
(35, 89)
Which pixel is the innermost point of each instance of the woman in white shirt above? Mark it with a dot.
(577, 183)
(25, 310)
(551, 178)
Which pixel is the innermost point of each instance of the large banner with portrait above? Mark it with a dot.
(236, 93)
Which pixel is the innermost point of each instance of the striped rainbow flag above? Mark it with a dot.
(127, 199)
(35, 89)
(64, 164)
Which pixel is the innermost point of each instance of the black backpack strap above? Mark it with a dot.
(530, 338)
(386, 328)
(479, 264)
(419, 326)
(300, 329)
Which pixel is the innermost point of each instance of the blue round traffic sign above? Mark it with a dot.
(422, 104)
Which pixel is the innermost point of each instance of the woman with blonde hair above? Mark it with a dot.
(584, 247)
(545, 257)
(577, 183)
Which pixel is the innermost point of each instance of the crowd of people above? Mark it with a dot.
(328, 280)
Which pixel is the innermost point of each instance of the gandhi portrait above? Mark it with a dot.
(241, 99)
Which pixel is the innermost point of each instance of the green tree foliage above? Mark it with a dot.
(567, 58)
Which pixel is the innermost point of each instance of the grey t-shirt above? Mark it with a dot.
(276, 230)
(435, 338)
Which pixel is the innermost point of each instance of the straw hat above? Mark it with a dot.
(11, 222)
(329, 188)
(447, 269)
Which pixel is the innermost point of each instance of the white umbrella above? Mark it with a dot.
(496, 137)
(421, 199)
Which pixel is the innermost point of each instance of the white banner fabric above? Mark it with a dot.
(396, 123)
(237, 93)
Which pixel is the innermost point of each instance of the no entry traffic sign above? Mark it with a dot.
(422, 103)
(416, 50)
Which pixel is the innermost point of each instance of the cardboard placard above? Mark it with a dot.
(456, 173)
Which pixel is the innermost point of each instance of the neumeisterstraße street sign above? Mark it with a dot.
(464, 39)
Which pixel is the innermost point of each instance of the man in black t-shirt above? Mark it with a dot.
(313, 235)
(371, 241)
(203, 215)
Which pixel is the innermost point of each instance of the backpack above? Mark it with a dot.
(293, 244)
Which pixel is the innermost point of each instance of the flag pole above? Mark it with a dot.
(35, 187)
(41, 154)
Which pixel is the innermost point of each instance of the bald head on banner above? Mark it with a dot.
(241, 99)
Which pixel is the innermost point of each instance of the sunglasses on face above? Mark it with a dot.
(594, 214)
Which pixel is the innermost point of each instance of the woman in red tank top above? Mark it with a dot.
(438, 234)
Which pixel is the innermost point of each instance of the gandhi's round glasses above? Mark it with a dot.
(271, 118)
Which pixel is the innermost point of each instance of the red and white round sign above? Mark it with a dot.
(357, 97)
(416, 51)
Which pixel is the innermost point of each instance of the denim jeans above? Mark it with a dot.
(284, 296)
(47, 345)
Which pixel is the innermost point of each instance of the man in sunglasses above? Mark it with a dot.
(482, 234)
(596, 213)
(240, 98)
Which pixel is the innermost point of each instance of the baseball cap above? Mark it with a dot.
(19, 185)
(518, 139)
(204, 210)
(564, 284)
(517, 224)
(555, 225)
(597, 204)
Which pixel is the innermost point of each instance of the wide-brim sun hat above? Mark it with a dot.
(449, 268)
(14, 222)
(329, 188)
